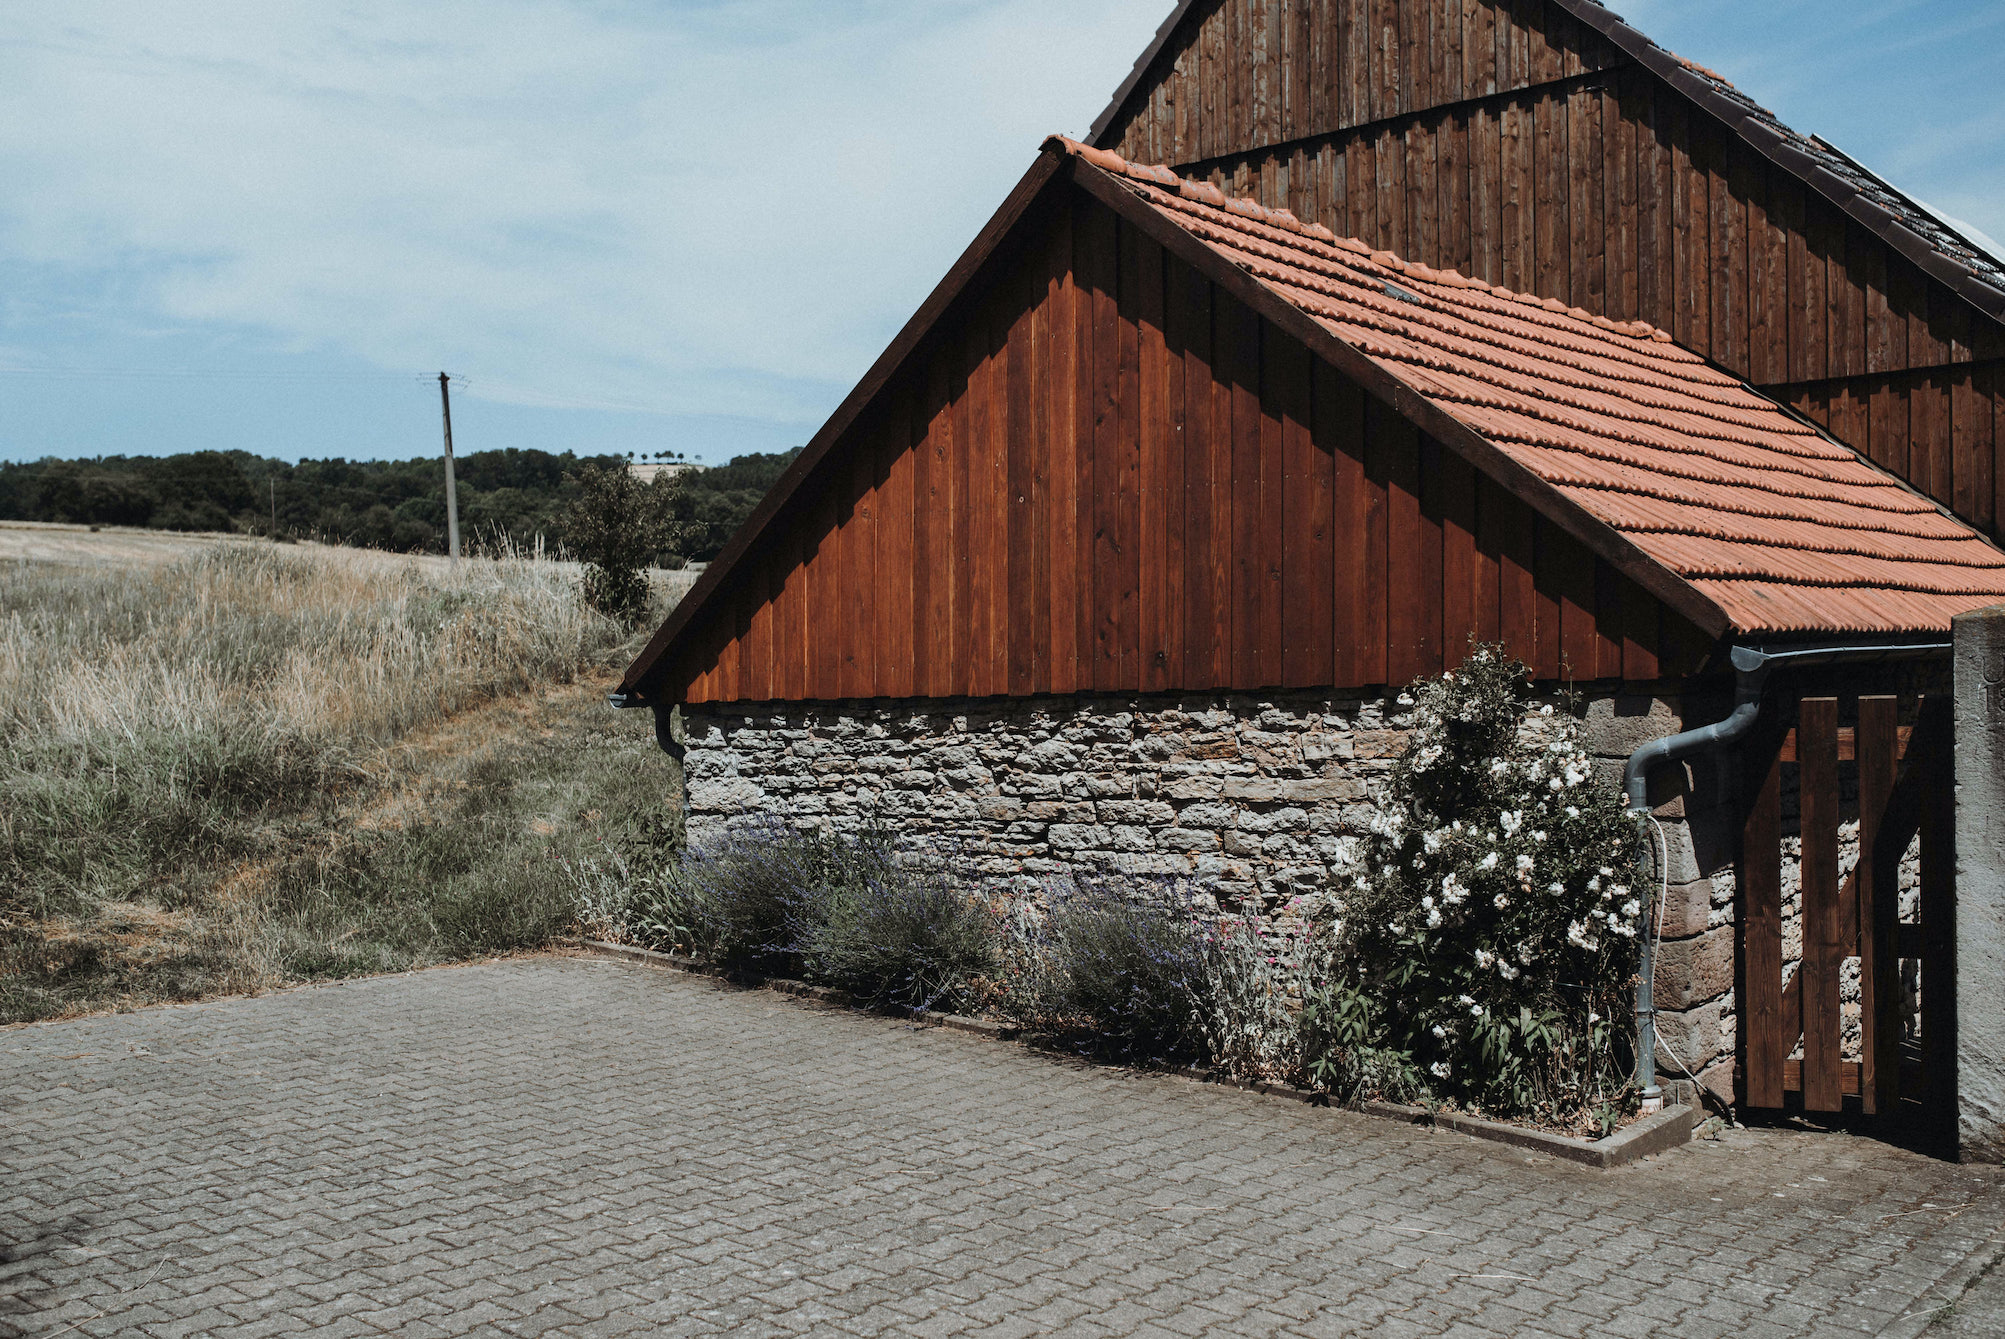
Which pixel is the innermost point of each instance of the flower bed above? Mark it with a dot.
(1474, 956)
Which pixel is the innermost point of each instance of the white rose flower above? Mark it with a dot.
(1508, 972)
(1488, 862)
(1439, 1069)
(1593, 1017)
(1524, 863)
(1501, 902)
(1440, 1031)
(1465, 999)
(1594, 884)
(1484, 958)
(1631, 907)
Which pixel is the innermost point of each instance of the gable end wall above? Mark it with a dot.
(1101, 473)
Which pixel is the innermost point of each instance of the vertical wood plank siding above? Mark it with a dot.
(1505, 141)
(1101, 473)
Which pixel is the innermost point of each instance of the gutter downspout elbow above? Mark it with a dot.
(1750, 676)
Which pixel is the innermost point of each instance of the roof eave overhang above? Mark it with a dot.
(1606, 542)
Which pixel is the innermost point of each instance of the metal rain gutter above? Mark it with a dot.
(664, 721)
(1751, 670)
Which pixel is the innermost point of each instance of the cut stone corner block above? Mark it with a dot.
(1979, 659)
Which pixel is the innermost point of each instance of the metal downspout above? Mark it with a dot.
(1751, 670)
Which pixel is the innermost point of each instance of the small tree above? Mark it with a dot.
(618, 526)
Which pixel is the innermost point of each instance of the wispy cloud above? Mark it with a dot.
(715, 208)
(1908, 87)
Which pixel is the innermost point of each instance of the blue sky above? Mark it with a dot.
(637, 226)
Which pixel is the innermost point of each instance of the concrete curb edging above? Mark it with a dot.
(981, 1027)
(1659, 1133)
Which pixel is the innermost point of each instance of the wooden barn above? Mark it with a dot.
(1150, 438)
(1122, 551)
(1549, 147)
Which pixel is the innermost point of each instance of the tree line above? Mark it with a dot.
(386, 504)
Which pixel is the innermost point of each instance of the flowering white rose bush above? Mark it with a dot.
(1486, 939)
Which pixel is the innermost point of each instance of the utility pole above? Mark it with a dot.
(452, 492)
(272, 484)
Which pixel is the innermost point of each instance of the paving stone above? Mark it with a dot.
(569, 1145)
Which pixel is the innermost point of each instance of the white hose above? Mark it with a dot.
(1657, 936)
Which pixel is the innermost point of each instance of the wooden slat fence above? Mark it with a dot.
(1792, 1032)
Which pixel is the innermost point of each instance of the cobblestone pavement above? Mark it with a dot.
(556, 1145)
(1978, 1313)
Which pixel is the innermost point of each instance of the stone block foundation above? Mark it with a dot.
(1251, 798)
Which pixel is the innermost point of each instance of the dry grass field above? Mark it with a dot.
(225, 765)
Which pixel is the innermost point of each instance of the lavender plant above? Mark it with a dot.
(1249, 1010)
(1486, 940)
(900, 936)
(1119, 964)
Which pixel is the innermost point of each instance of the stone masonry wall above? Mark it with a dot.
(1251, 797)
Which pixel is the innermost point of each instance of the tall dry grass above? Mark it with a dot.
(291, 650)
(164, 730)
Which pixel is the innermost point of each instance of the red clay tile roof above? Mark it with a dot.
(1787, 530)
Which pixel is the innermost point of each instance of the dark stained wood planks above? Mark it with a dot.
(1101, 473)
(1824, 944)
(1565, 171)
(1269, 71)
(1878, 908)
(1765, 1042)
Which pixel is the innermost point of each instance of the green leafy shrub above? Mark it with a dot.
(1485, 946)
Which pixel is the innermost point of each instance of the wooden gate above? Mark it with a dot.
(1904, 783)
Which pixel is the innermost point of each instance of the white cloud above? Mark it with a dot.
(721, 208)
